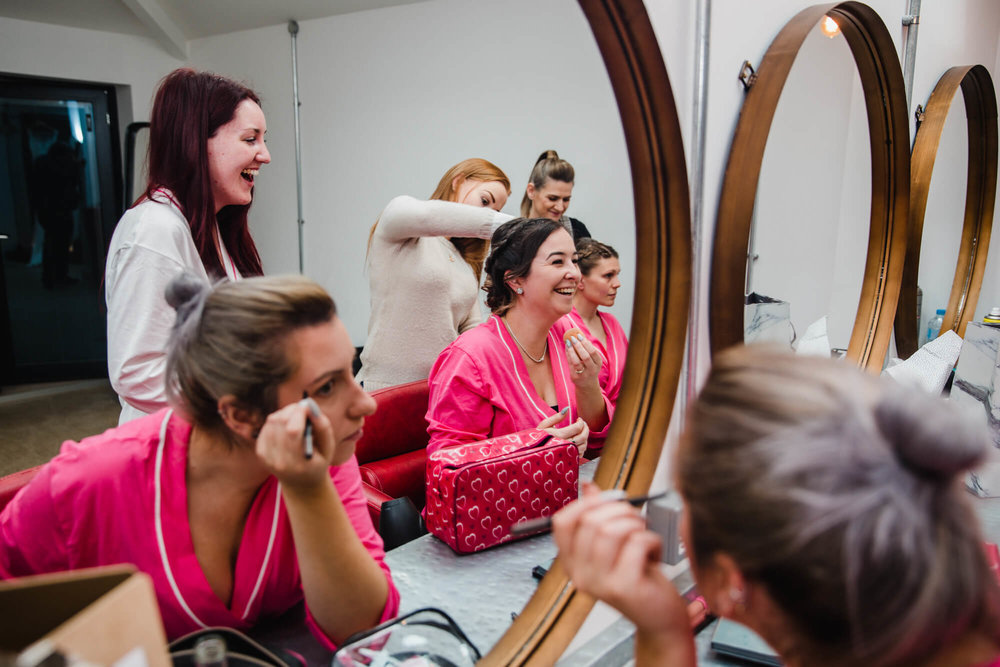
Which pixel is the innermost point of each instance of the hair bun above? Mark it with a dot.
(929, 434)
(184, 289)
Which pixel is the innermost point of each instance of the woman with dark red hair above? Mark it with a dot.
(206, 146)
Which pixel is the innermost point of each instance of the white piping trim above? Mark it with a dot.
(267, 553)
(612, 356)
(157, 504)
(496, 324)
(564, 375)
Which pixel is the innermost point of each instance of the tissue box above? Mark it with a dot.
(976, 386)
(101, 616)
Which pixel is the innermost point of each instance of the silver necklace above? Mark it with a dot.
(526, 353)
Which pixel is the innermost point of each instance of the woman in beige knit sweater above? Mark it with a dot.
(425, 258)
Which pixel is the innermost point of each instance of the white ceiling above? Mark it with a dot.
(174, 22)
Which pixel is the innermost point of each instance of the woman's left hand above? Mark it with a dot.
(584, 360)
(281, 446)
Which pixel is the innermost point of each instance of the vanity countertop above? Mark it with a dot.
(482, 591)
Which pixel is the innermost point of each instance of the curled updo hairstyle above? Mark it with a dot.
(841, 495)
(515, 244)
(590, 252)
(548, 166)
(229, 339)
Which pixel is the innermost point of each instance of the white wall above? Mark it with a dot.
(393, 97)
(44, 50)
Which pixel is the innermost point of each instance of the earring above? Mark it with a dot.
(520, 290)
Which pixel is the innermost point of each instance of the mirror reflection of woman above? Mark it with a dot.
(823, 508)
(425, 260)
(216, 500)
(599, 284)
(206, 145)
(516, 371)
(549, 189)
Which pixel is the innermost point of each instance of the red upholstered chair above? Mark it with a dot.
(392, 451)
(11, 484)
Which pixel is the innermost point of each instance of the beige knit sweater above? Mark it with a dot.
(423, 294)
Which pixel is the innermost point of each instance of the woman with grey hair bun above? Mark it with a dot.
(244, 499)
(824, 509)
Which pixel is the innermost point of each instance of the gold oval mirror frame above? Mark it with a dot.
(885, 101)
(980, 196)
(625, 37)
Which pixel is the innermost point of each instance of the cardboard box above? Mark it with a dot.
(101, 616)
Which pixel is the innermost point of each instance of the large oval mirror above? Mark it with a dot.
(808, 243)
(954, 160)
(839, 224)
(441, 81)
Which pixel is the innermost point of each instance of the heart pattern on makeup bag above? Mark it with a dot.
(477, 491)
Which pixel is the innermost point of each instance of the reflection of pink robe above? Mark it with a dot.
(121, 497)
(480, 387)
(614, 352)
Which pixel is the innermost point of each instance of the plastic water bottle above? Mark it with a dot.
(934, 326)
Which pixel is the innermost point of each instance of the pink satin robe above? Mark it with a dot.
(614, 352)
(480, 387)
(121, 497)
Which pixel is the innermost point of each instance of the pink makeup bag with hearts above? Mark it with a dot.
(476, 492)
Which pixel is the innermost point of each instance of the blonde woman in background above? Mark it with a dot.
(425, 259)
(599, 284)
(550, 187)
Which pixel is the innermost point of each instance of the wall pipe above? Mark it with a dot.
(293, 30)
(697, 178)
(911, 21)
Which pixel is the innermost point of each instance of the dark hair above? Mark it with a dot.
(515, 244)
(590, 252)
(230, 339)
(840, 494)
(188, 109)
(548, 165)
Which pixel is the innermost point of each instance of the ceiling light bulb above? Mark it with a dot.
(829, 27)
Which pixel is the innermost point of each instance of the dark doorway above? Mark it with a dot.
(60, 198)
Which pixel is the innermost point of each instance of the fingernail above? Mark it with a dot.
(579, 338)
(564, 410)
(569, 343)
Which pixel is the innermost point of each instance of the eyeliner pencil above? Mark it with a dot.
(545, 522)
(309, 430)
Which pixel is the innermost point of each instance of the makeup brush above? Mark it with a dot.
(545, 522)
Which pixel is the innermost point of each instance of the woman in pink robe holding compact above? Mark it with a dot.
(599, 284)
(519, 369)
(218, 500)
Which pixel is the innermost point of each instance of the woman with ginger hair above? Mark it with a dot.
(425, 259)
